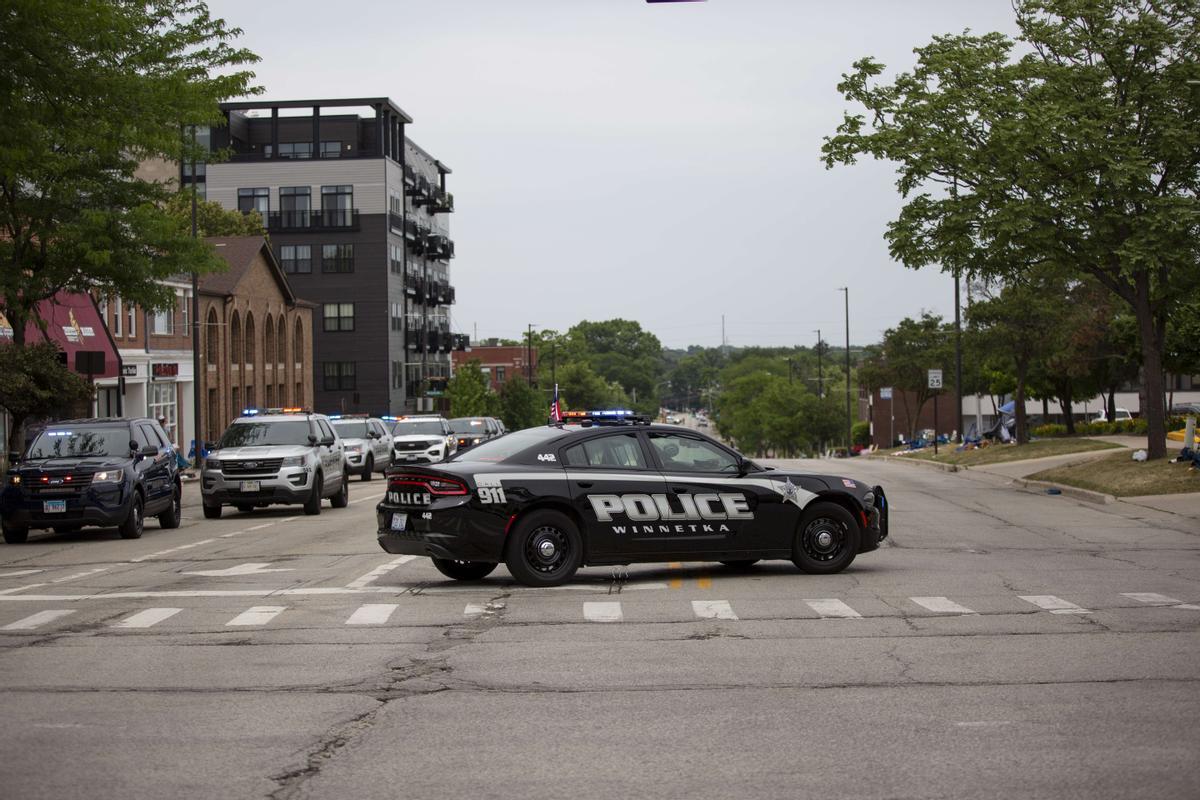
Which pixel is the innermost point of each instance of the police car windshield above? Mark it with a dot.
(496, 450)
(351, 429)
(411, 428)
(76, 442)
(467, 425)
(266, 434)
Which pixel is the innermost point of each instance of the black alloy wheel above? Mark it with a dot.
(212, 512)
(312, 506)
(342, 498)
(464, 570)
(173, 515)
(135, 523)
(544, 549)
(827, 539)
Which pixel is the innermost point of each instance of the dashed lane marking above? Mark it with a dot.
(147, 618)
(602, 612)
(941, 605)
(1055, 605)
(80, 575)
(704, 582)
(372, 614)
(16, 589)
(19, 572)
(140, 559)
(259, 527)
(256, 615)
(366, 499)
(378, 572)
(713, 609)
(675, 583)
(1153, 599)
(36, 620)
(829, 607)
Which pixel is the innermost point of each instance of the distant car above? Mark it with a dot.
(1122, 415)
(422, 440)
(97, 472)
(471, 431)
(1184, 409)
(367, 443)
(499, 424)
(701, 423)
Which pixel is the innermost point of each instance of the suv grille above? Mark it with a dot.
(401, 446)
(59, 486)
(257, 466)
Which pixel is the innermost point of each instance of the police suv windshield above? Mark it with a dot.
(266, 434)
(77, 442)
(505, 447)
(468, 425)
(352, 429)
(413, 428)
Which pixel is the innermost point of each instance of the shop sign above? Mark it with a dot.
(166, 371)
(129, 370)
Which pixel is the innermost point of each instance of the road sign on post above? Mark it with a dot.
(886, 394)
(935, 379)
(935, 383)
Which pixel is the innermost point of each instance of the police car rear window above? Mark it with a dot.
(496, 450)
(620, 451)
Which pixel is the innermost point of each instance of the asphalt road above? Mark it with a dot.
(1007, 644)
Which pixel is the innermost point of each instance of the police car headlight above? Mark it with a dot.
(354, 448)
(14, 479)
(212, 463)
(109, 476)
(293, 461)
(869, 499)
(476, 440)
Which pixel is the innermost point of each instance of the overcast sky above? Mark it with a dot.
(617, 159)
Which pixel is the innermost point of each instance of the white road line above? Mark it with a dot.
(366, 499)
(602, 612)
(378, 572)
(372, 614)
(713, 609)
(256, 615)
(259, 527)
(16, 589)
(36, 620)
(304, 590)
(289, 519)
(19, 572)
(833, 608)
(474, 610)
(140, 559)
(1158, 600)
(1055, 605)
(80, 575)
(144, 619)
(941, 605)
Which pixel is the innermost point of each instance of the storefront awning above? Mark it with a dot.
(73, 323)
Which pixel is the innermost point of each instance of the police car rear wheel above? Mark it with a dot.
(134, 524)
(16, 535)
(464, 570)
(369, 470)
(826, 541)
(544, 549)
(342, 498)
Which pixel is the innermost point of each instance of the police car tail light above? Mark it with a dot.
(436, 486)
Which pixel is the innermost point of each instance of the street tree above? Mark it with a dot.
(581, 389)
(521, 406)
(36, 384)
(620, 351)
(1078, 149)
(88, 90)
(212, 218)
(903, 361)
(468, 391)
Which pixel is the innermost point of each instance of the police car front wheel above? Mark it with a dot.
(464, 570)
(826, 540)
(544, 549)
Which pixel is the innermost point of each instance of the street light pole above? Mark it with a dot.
(197, 447)
(846, 289)
(529, 355)
(820, 379)
(958, 387)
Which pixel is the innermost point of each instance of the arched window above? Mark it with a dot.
(269, 342)
(213, 337)
(282, 351)
(298, 343)
(249, 339)
(235, 340)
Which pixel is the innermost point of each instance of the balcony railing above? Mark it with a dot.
(326, 219)
(414, 285)
(442, 201)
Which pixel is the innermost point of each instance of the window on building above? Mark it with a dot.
(396, 258)
(270, 395)
(396, 317)
(235, 340)
(185, 309)
(163, 405)
(295, 149)
(212, 336)
(281, 349)
(339, 376)
(499, 375)
(250, 341)
(250, 397)
(296, 258)
(339, 317)
(162, 323)
(131, 319)
(298, 344)
(235, 401)
(295, 206)
(298, 398)
(118, 317)
(337, 205)
(269, 343)
(331, 149)
(256, 199)
(337, 258)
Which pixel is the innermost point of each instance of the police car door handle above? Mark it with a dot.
(679, 489)
(584, 484)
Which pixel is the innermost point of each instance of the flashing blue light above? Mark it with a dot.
(249, 412)
(58, 433)
(387, 418)
(611, 412)
(335, 416)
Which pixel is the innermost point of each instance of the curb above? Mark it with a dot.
(1069, 491)
(921, 462)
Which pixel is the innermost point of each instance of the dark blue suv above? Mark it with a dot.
(101, 472)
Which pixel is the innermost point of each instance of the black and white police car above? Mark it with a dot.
(609, 488)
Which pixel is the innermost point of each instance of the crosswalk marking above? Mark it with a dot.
(16, 573)
(1055, 605)
(378, 572)
(372, 614)
(474, 609)
(941, 605)
(830, 607)
(36, 620)
(147, 618)
(602, 612)
(1153, 599)
(256, 615)
(713, 609)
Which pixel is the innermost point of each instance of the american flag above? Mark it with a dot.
(555, 408)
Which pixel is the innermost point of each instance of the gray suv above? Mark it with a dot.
(271, 458)
(367, 443)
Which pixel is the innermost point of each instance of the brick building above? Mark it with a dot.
(256, 336)
(499, 362)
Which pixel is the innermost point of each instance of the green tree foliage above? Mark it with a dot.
(35, 384)
(89, 89)
(212, 218)
(521, 406)
(620, 352)
(469, 392)
(904, 359)
(1078, 148)
(581, 389)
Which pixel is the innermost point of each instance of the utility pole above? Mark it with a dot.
(820, 378)
(529, 355)
(724, 348)
(197, 439)
(958, 387)
(846, 289)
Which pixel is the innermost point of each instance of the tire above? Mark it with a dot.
(172, 516)
(527, 557)
(826, 541)
(464, 570)
(342, 498)
(312, 506)
(741, 563)
(16, 535)
(369, 469)
(212, 512)
(135, 523)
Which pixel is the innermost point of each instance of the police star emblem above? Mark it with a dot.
(791, 494)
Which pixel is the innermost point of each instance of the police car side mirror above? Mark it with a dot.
(134, 447)
(328, 441)
(743, 466)
(312, 440)
(13, 457)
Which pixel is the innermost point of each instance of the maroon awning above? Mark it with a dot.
(73, 323)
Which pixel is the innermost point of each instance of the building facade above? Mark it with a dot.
(358, 218)
(501, 363)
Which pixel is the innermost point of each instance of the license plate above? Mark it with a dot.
(399, 522)
(251, 486)
(410, 457)
(54, 506)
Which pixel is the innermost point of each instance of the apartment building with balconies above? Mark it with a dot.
(358, 216)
